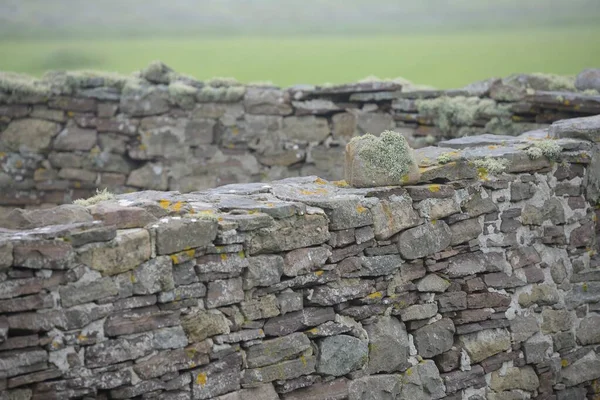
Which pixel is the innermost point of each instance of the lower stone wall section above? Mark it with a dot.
(486, 287)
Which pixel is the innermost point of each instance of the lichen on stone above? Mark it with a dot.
(218, 82)
(547, 147)
(492, 165)
(450, 112)
(389, 152)
(556, 82)
(101, 195)
(14, 83)
(444, 158)
(220, 94)
(182, 94)
(69, 81)
(407, 85)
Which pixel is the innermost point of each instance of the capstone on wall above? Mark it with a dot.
(485, 286)
(66, 135)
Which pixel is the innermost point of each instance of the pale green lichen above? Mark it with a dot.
(548, 148)
(444, 158)
(182, 94)
(221, 94)
(218, 82)
(21, 84)
(451, 112)
(590, 92)
(556, 82)
(101, 195)
(69, 81)
(492, 165)
(389, 153)
(407, 85)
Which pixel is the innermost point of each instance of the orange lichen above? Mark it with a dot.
(320, 181)
(313, 192)
(360, 209)
(164, 203)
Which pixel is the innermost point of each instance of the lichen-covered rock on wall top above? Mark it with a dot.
(482, 280)
(69, 133)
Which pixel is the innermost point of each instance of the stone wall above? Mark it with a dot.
(66, 135)
(480, 282)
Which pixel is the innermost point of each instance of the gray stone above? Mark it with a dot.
(219, 377)
(435, 338)
(128, 250)
(263, 271)
(488, 299)
(261, 392)
(588, 332)
(483, 344)
(451, 301)
(183, 234)
(479, 203)
(261, 308)
(387, 333)
(336, 389)
(289, 234)
(118, 350)
(375, 387)
(552, 210)
(298, 320)
(144, 100)
(422, 382)
(523, 378)
(500, 280)
(275, 350)
(303, 261)
(375, 266)
(305, 129)
(586, 128)
(343, 125)
(542, 294)
(535, 349)
(33, 135)
(556, 320)
(419, 311)
(285, 370)
(373, 123)
(267, 101)
(438, 208)
(393, 215)
(424, 240)
(169, 338)
(341, 354)
(522, 327)
(466, 230)
(433, 283)
(139, 320)
(224, 292)
(43, 254)
(290, 301)
(75, 294)
(153, 276)
(523, 257)
(73, 138)
(585, 369)
(341, 291)
(201, 324)
(521, 191)
(588, 79)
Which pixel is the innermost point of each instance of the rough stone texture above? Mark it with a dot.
(299, 288)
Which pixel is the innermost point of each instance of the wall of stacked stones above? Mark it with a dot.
(485, 286)
(66, 135)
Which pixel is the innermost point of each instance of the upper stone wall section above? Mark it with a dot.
(66, 135)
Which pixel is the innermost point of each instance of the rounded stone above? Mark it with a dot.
(341, 354)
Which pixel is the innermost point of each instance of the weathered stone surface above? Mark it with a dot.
(383, 335)
(120, 216)
(393, 215)
(217, 378)
(263, 271)
(556, 320)
(262, 392)
(521, 191)
(588, 332)
(284, 370)
(306, 129)
(375, 387)
(224, 292)
(298, 320)
(276, 350)
(43, 254)
(433, 209)
(587, 128)
(552, 210)
(523, 378)
(183, 234)
(486, 343)
(585, 369)
(267, 101)
(332, 390)
(464, 231)
(261, 308)
(118, 350)
(542, 294)
(433, 283)
(535, 349)
(435, 338)
(75, 294)
(500, 280)
(424, 240)
(418, 311)
(74, 138)
(458, 380)
(201, 324)
(340, 291)
(129, 249)
(32, 135)
(588, 79)
(302, 261)
(451, 301)
(139, 320)
(522, 327)
(16, 362)
(289, 234)
(341, 354)
(489, 299)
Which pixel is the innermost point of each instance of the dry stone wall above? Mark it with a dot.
(479, 282)
(66, 135)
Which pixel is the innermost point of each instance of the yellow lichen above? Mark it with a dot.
(201, 379)
(341, 183)
(223, 257)
(376, 295)
(320, 181)
(319, 273)
(164, 203)
(564, 363)
(434, 188)
(360, 209)
(313, 192)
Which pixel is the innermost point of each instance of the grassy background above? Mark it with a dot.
(444, 60)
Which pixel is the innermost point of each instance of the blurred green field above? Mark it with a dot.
(441, 60)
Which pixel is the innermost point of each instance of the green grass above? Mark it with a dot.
(441, 60)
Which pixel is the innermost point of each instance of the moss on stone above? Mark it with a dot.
(389, 153)
(556, 82)
(221, 94)
(69, 81)
(101, 195)
(492, 165)
(451, 112)
(218, 82)
(182, 94)
(444, 158)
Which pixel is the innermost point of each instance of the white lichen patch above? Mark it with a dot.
(101, 195)
(491, 165)
(548, 148)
